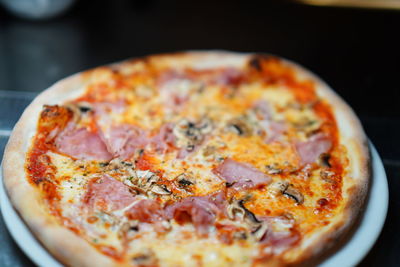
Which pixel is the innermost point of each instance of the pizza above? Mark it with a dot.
(189, 159)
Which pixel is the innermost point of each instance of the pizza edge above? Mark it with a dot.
(355, 192)
(70, 249)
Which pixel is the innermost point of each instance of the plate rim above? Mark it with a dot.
(350, 254)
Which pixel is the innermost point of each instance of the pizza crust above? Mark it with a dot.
(70, 249)
(352, 136)
(67, 247)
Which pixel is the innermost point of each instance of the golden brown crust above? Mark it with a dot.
(72, 250)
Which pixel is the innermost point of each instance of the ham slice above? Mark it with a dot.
(310, 150)
(123, 140)
(82, 144)
(263, 110)
(274, 129)
(201, 211)
(279, 235)
(146, 210)
(241, 175)
(228, 77)
(164, 138)
(107, 194)
(174, 89)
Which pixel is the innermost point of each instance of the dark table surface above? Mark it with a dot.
(356, 51)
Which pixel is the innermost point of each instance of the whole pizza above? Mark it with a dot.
(189, 159)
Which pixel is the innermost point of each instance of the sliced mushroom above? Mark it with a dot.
(145, 258)
(278, 188)
(307, 125)
(260, 231)
(235, 211)
(205, 126)
(294, 193)
(117, 164)
(190, 134)
(84, 109)
(273, 169)
(128, 228)
(146, 179)
(240, 126)
(184, 180)
(249, 217)
(160, 190)
(241, 235)
(209, 151)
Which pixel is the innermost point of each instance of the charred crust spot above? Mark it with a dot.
(256, 61)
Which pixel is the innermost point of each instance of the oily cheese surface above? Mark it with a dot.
(188, 159)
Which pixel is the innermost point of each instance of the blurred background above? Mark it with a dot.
(353, 45)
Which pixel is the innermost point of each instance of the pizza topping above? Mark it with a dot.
(279, 232)
(273, 129)
(235, 210)
(327, 176)
(278, 188)
(185, 181)
(240, 175)
(261, 230)
(160, 190)
(294, 193)
(107, 194)
(82, 144)
(146, 210)
(286, 189)
(201, 211)
(189, 134)
(124, 140)
(176, 89)
(143, 182)
(240, 126)
(310, 150)
(323, 160)
(146, 258)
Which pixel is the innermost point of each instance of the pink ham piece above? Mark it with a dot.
(201, 211)
(241, 175)
(228, 77)
(107, 194)
(263, 110)
(164, 138)
(279, 239)
(174, 88)
(310, 150)
(82, 144)
(146, 210)
(123, 140)
(274, 129)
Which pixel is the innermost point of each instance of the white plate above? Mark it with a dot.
(349, 255)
